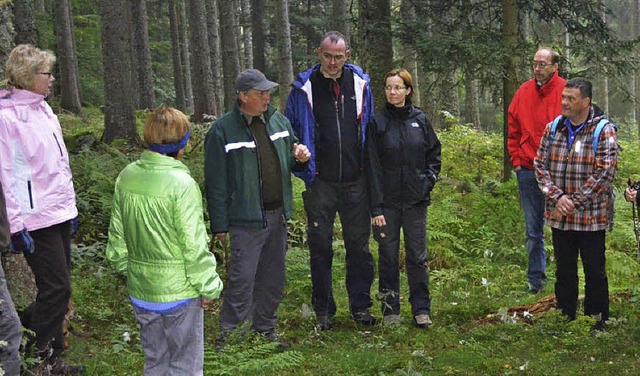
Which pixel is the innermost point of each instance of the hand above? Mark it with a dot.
(21, 242)
(206, 303)
(565, 206)
(222, 237)
(630, 194)
(74, 226)
(555, 215)
(301, 152)
(378, 221)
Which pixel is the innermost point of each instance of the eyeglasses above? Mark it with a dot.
(540, 64)
(394, 88)
(328, 57)
(48, 74)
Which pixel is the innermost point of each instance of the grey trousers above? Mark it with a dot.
(173, 342)
(256, 275)
(10, 331)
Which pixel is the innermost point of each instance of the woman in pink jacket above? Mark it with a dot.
(41, 207)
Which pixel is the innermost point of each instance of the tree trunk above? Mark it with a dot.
(285, 65)
(247, 35)
(147, 98)
(636, 99)
(341, 18)
(185, 56)
(178, 74)
(230, 64)
(203, 101)
(6, 36)
(509, 82)
(259, 34)
(213, 35)
(602, 86)
(376, 48)
(409, 55)
(66, 57)
(471, 101)
(119, 121)
(24, 22)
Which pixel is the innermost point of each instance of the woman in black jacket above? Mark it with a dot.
(403, 154)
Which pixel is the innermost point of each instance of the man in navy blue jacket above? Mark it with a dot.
(329, 107)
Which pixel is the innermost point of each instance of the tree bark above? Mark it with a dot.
(341, 18)
(409, 55)
(509, 82)
(178, 74)
(259, 34)
(376, 44)
(285, 65)
(7, 34)
(636, 99)
(247, 35)
(66, 57)
(185, 56)
(119, 121)
(213, 35)
(24, 22)
(231, 63)
(203, 100)
(147, 98)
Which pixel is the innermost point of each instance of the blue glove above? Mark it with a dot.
(74, 226)
(21, 242)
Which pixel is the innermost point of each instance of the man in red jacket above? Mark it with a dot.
(536, 103)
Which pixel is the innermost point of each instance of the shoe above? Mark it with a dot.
(365, 318)
(534, 290)
(391, 320)
(324, 322)
(60, 367)
(273, 337)
(599, 326)
(422, 321)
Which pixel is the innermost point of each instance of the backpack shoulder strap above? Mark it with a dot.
(554, 125)
(598, 130)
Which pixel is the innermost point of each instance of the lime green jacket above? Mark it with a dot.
(157, 235)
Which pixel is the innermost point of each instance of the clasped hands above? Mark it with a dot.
(301, 153)
(564, 207)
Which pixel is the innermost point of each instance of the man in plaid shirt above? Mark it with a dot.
(577, 183)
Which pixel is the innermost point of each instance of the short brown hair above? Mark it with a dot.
(165, 125)
(406, 78)
(23, 64)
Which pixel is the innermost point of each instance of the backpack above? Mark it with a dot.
(595, 139)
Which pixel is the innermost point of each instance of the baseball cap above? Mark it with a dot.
(253, 79)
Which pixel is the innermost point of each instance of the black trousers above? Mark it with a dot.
(590, 245)
(51, 266)
(322, 200)
(413, 221)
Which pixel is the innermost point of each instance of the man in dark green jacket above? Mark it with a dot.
(249, 155)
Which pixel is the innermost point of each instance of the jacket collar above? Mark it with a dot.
(19, 97)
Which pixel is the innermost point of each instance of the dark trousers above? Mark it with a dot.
(322, 200)
(256, 275)
(413, 221)
(51, 266)
(591, 247)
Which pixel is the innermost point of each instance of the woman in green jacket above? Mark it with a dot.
(157, 238)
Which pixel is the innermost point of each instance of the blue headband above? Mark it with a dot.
(171, 148)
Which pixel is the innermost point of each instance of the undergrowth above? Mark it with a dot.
(477, 261)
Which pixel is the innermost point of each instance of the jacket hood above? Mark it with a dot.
(19, 97)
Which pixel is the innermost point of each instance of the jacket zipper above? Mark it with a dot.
(264, 214)
(30, 193)
(339, 128)
(58, 143)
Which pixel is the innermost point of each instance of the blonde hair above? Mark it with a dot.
(24, 62)
(165, 125)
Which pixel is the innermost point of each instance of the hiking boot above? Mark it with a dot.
(60, 367)
(422, 321)
(391, 320)
(324, 322)
(365, 318)
(273, 337)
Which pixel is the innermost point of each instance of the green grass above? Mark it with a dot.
(476, 234)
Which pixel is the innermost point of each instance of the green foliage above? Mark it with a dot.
(477, 264)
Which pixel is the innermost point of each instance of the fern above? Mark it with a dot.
(265, 358)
